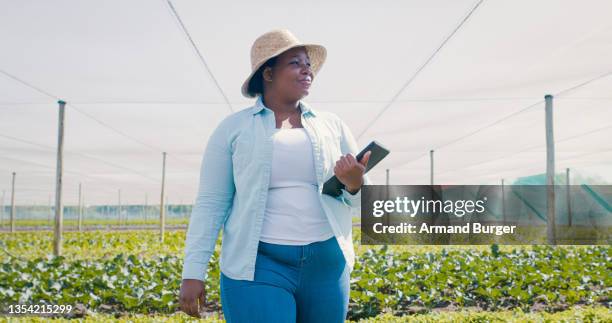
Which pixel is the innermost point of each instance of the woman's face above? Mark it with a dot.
(291, 77)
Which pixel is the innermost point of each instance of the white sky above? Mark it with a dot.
(129, 65)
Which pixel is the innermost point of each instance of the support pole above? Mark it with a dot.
(550, 171)
(162, 215)
(13, 203)
(59, 206)
(431, 167)
(568, 197)
(388, 220)
(80, 208)
(503, 201)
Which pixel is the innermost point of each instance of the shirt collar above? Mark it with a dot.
(259, 106)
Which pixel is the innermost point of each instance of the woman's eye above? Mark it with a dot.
(298, 63)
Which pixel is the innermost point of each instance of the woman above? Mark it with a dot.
(287, 248)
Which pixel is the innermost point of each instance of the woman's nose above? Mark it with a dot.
(306, 69)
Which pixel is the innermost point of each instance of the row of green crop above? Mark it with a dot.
(152, 220)
(107, 244)
(545, 275)
(382, 280)
(96, 245)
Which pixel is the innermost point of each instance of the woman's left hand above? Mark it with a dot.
(350, 172)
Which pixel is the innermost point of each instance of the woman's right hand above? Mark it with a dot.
(192, 297)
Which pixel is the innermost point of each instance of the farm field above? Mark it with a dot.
(70, 224)
(123, 273)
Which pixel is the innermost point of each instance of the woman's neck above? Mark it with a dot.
(279, 106)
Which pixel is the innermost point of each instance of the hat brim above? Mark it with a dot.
(316, 53)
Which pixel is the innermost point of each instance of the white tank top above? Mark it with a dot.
(294, 214)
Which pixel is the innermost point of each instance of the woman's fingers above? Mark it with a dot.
(348, 161)
(190, 295)
(189, 307)
(202, 299)
(366, 158)
(351, 159)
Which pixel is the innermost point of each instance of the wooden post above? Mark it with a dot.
(550, 170)
(431, 167)
(162, 214)
(568, 197)
(80, 208)
(13, 203)
(59, 205)
(503, 202)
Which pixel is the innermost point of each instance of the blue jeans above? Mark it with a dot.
(307, 283)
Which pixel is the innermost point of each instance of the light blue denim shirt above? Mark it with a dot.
(233, 189)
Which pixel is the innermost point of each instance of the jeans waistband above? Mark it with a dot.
(294, 254)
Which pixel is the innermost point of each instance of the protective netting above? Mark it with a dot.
(465, 78)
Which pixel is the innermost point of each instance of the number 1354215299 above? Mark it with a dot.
(42, 309)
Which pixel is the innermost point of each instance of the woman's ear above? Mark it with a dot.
(267, 74)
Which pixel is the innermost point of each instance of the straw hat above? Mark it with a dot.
(274, 43)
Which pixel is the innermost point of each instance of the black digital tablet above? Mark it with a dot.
(333, 186)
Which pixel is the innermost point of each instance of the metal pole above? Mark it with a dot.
(550, 170)
(569, 204)
(162, 214)
(503, 202)
(431, 167)
(387, 218)
(59, 206)
(13, 203)
(80, 208)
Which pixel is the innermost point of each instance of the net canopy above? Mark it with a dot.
(466, 79)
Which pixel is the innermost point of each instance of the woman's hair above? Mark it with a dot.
(256, 83)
